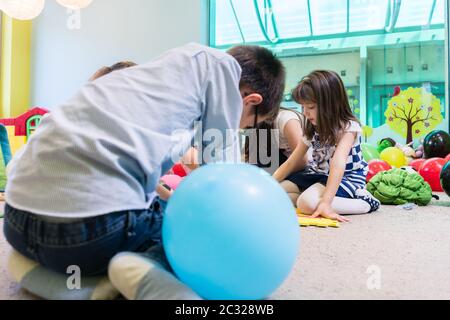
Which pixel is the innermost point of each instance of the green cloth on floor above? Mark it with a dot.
(399, 187)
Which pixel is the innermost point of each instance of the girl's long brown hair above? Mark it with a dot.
(326, 89)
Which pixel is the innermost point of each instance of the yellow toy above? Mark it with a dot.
(307, 221)
(394, 156)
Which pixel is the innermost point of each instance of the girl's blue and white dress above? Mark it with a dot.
(318, 169)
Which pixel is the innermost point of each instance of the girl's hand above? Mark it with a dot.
(294, 163)
(325, 210)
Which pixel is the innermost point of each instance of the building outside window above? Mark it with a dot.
(388, 53)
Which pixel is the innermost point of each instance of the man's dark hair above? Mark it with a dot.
(263, 73)
(115, 67)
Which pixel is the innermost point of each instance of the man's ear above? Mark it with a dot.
(253, 99)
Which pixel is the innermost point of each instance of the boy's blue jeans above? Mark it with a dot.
(87, 243)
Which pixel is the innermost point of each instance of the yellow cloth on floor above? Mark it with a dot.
(307, 221)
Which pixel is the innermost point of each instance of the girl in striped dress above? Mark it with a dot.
(333, 182)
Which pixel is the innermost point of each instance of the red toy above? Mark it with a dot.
(447, 158)
(179, 170)
(431, 171)
(416, 164)
(21, 122)
(376, 166)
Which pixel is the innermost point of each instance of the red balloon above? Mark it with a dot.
(416, 164)
(431, 171)
(376, 166)
(447, 158)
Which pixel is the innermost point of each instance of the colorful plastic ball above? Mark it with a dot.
(431, 171)
(417, 163)
(172, 180)
(369, 152)
(445, 178)
(394, 156)
(376, 166)
(231, 232)
(436, 144)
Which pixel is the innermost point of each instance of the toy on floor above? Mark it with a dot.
(436, 144)
(445, 178)
(307, 221)
(408, 169)
(385, 143)
(408, 206)
(417, 163)
(20, 128)
(419, 151)
(431, 171)
(394, 156)
(408, 151)
(376, 166)
(230, 232)
(447, 158)
(398, 187)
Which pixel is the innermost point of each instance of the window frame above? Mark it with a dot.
(389, 30)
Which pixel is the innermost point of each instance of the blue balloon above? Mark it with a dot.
(231, 232)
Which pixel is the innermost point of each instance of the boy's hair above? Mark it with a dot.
(117, 66)
(262, 73)
(326, 89)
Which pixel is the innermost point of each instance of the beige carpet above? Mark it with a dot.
(391, 254)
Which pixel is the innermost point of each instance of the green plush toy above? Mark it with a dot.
(385, 143)
(398, 187)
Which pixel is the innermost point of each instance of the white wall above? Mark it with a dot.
(110, 30)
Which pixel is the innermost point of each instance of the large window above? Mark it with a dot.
(377, 46)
